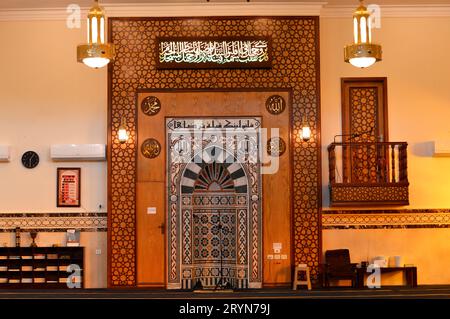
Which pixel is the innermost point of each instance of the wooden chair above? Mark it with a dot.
(338, 267)
(299, 269)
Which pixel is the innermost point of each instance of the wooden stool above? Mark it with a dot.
(298, 269)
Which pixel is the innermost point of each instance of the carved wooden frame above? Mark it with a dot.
(296, 64)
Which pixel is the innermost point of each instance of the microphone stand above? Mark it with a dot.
(220, 284)
(350, 138)
(352, 135)
(198, 284)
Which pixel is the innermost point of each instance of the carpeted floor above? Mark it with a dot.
(421, 292)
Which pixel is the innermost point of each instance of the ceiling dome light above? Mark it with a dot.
(96, 63)
(96, 53)
(362, 53)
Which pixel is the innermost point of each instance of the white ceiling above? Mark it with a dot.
(26, 4)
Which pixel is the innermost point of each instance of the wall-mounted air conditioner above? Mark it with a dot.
(441, 149)
(5, 153)
(78, 152)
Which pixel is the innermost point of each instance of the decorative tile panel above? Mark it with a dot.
(53, 222)
(375, 194)
(386, 219)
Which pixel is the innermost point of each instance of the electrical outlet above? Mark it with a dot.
(277, 247)
(98, 251)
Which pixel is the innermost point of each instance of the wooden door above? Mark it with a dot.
(150, 205)
(151, 222)
(364, 119)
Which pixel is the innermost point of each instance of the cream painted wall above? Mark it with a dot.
(46, 98)
(415, 61)
(428, 249)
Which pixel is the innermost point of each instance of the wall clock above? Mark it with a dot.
(30, 159)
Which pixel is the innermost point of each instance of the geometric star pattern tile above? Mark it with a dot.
(53, 222)
(386, 219)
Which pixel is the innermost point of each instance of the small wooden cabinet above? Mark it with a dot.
(39, 267)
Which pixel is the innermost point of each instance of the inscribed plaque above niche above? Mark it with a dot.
(214, 53)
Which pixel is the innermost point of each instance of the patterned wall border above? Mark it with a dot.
(296, 65)
(386, 219)
(53, 222)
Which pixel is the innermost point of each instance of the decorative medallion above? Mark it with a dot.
(276, 146)
(275, 105)
(151, 105)
(151, 148)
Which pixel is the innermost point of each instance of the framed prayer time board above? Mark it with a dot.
(68, 187)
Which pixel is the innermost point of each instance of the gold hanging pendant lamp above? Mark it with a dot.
(362, 53)
(97, 53)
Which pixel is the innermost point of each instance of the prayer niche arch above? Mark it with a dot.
(214, 218)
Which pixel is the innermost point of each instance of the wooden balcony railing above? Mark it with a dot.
(368, 173)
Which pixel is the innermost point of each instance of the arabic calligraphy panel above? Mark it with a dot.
(213, 53)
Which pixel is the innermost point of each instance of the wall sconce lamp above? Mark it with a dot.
(362, 53)
(97, 53)
(305, 132)
(122, 133)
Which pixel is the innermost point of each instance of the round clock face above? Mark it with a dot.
(30, 159)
